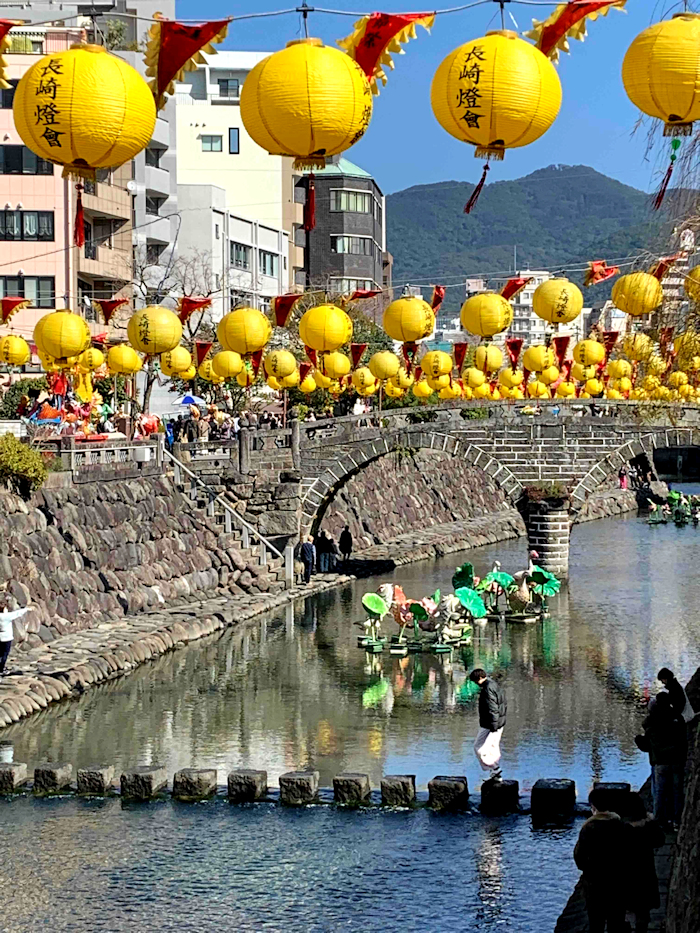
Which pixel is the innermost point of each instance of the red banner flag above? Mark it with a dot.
(5, 43)
(304, 370)
(282, 307)
(599, 271)
(566, 369)
(201, 348)
(187, 306)
(568, 20)
(438, 297)
(312, 355)
(561, 345)
(9, 306)
(418, 372)
(310, 205)
(514, 286)
(356, 351)
(609, 341)
(107, 306)
(659, 269)
(99, 338)
(513, 347)
(255, 361)
(364, 293)
(379, 34)
(174, 48)
(460, 350)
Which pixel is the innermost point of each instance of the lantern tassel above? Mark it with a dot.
(658, 200)
(79, 224)
(471, 203)
(310, 206)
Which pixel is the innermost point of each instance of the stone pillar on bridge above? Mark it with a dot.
(548, 526)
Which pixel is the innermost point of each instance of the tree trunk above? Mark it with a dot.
(148, 388)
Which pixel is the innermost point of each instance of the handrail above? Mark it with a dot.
(215, 497)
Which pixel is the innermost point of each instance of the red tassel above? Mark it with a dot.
(310, 206)
(471, 203)
(658, 200)
(79, 225)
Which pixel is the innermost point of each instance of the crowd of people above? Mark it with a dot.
(321, 553)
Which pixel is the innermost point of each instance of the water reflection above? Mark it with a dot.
(293, 690)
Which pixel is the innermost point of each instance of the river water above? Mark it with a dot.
(292, 690)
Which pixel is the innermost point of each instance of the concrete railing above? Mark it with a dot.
(77, 455)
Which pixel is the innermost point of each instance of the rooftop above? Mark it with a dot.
(342, 167)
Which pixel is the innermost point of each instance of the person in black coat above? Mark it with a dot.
(646, 835)
(665, 740)
(493, 709)
(345, 543)
(307, 553)
(674, 689)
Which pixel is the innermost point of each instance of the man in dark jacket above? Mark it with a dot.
(675, 692)
(666, 742)
(492, 718)
(307, 552)
(602, 853)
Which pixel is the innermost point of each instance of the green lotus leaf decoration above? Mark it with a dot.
(471, 601)
(546, 584)
(503, 579)
(463, 576)
(436, 597)
(419, 613)
(374, 604)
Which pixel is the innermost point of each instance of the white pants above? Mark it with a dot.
(487, 748)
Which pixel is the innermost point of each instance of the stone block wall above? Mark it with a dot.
(402, 492)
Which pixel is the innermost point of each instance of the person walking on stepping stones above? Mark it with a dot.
(6, 629)
(493, 708)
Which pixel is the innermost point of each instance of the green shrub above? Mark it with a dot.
(21, 468)
(11, 399)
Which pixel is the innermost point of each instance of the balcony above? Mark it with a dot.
(157, 180)
(161, 134)
(157, 229)
(102, 200)
(101, 262)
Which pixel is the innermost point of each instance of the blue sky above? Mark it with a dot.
(405, 146)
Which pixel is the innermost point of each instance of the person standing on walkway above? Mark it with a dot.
(679, 699)
(493, 708)
(308, 556)
(665, 739)
(602, 853)
(322, 552)
(345, 543)
(646, 835)
(7, 630)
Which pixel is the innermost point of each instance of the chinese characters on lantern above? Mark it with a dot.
(144, 330)
(365, 118)
(469, 96)
(561, 304)
(47, 114)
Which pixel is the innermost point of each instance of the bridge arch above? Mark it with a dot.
(319, 492)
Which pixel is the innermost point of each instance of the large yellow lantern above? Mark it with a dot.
(638, 347)
(14, 350)
(279, 363)
(436, 363)
(589, 353)
(175, 361)
(692, 284)
(557, 301)
(385, 365)
(335, 365)
(90, 360)
(473, 377)
(549, 375)
(62, 334)
(123, 360)
(538, 358)
(593, 387)
(488, 358)
(154, 330)
(403, 379)
(496, 92)
(537, 389)
(363, 378)
(308, 101)
(637, 293)
(486, 314)
(660, 72)
(421, 389)
(580, 373)
(618, 369)
(227, 364)
(244, 331)
(510, 378)
(84, 108)
(408, 320)
(325, 328)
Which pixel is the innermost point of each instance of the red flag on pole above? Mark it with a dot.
(364, 293)
(312, 355)
(201, 348)
(514, 286)
(568, 20)
(9, 306)
(409, 350)
(174, 48)
(304, 370)
(255, 361)
(187, 306)
(599, 271)
(438, 297)
(79, 223)
(282, 307)
(561, 345)
(418, 372)
(107, 306)
(377, 35)
(460, 350)
(609, 341)
(513, 347)
(356, 351)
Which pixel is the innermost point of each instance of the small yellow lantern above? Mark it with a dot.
(537, 389)
(62, 334)
(392, 391)
(617, 369)
(245, 378)
(581, 373)
(488, 358)
(421, 389)
(244, 331)
(624, 384)
(517, 393)
(363, 378)
(486, 314)
(557, 301)
(436, 363)
(408, 320)
(482, 392)
(308, 101)
(613, 393)
(307, 385)
(655, 366)
(437, 383)
(14, 350)
(467, 393)
(510, 378)
(549, 375)
(335, 364)
(403, 379)
(279, 363)
(686, 392)
(227, 364)
(678, 379)
(273, 383)
(384, 365)
(637, 293)
(90, 360)
(473, 377)
(290, 381)
(662, 394)
(566, 390)
(538, 358)
(691, 284)
(593, 387)
(123, 360)
(175, 361)
(189, 373)
(154, 330)
(325, 328)
(206, 372)
(322, 382)
(589, 353)
(638, 395)
(638, 347)
(650, 383)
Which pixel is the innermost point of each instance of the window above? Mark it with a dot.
(217, 231)
(153, 205)
(37, 47)
(354, 245)
(234, 142)
(352, 285)
(153, 252)
(240, 255)
(40, 289)
(229, 87)
(8, 95)
(359, 201)
(26, 225)
(153, 157)
(267, 263)
(18, 160)
(90, 245)
(211, 144)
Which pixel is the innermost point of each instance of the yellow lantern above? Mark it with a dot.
(581, 373)
(206, 371)
(692, 284)
(488, 358)
(175, 361)
(613, 393)
(322, 382)
(244, 331)
(510, 378)
(335, 364)
(279, 363)
(637, 293)
(273, 383)
(537, 389)
(408, 319)
(291, 380)
(557, 301)
(482, 392)
(123, 360)
(496, 92)
(593, 386)
(686, 391)
(538, 358)
(189, 373)
(617, 369)
(90, 360)
(363, 378)
(637, 395)
(473, 377)
(14, 350)
(504, 391)
(245, 378)
(436, 363)
(384, 365)
(438, 382)
(660, 72)
(368, 390)
(549, 375)
(308, 101)
(392, 391)
(62, 334)
(651, 383)
(589, 353)
(486, 314)
(403, 379)
(655, 366)
(677, 379)
(325, 328)
(227, 364)
(517, 393)
(421, 389)
(662, 393)
(48, 362)
(638, 347)
(624, 384)
(307, 385)
(496, 394)
(467, 392)
(84, 108)
(154, 330)
(566, 390)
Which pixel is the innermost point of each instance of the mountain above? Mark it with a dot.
(559, 215)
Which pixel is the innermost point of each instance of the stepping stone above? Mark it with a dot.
(399, 790)
(194, 783)
(246, 785)
(351, 788)
(50, 778)
(553, 799)
(144, 782)
(96, 779)
(13, 774)
(498, 797)
(299, 787)
(448, 793)
(616, 795)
